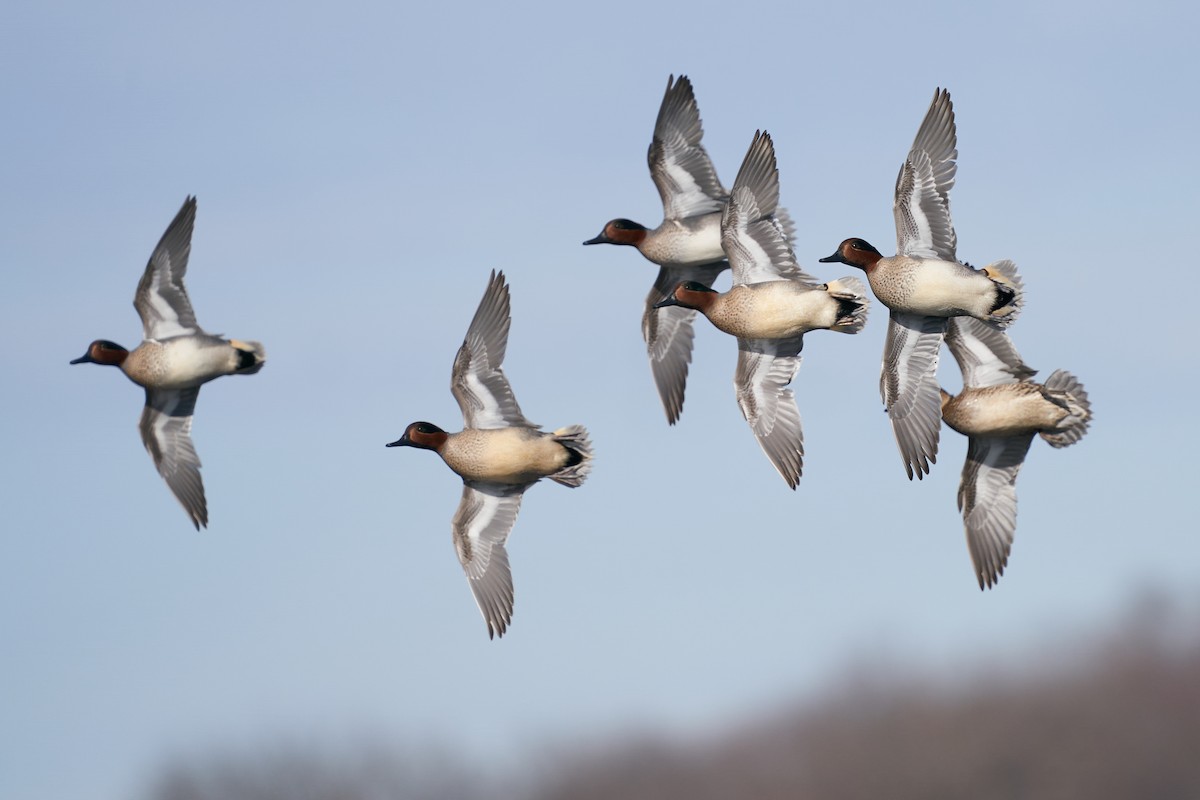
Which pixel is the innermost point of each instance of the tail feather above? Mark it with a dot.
(852, 304)
(251, 356)
(1011, 295)
(575, 439)
(1066, 389)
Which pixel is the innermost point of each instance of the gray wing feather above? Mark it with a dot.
(908, 384)
(161, 299)
(922, 203)
(481, 526)
(764, 369)
(477, 380)
(787, 225)
(987, 497)
(679, 165)
(754, 238)
(985, 354)
(669, 333)
(166, 428)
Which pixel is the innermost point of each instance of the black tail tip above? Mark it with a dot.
(249, 362)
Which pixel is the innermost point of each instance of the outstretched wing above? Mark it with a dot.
(161, 299)
(480, 528)
(679, 164)
(477, 380)
(764, 369)
(754, 239)
(166, 428)
(985, 354)
(987, 497)
(922, 204)
(908, 384)
(669, 333)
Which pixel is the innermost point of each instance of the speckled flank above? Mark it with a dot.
(509, 455)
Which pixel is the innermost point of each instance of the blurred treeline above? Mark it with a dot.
(1112, 717)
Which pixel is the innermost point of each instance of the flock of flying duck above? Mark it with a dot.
(932, 298)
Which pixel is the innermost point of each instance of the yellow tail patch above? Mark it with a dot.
(998, 276)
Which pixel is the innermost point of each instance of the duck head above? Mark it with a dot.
(102, 351)
(620, 231)
(422, 435)
(855, 252)
(689, 294)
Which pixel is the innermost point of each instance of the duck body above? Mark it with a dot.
(1012, 409)
(515, 456)
(938, 288)
(685, 242)
(185, 362)
(769, 310)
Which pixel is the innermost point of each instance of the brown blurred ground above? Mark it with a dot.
(1113, 719)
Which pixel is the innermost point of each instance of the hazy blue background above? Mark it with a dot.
(360, 169)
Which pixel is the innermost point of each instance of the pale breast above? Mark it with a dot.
(506, 455)
(773, 310)
(1005, 410)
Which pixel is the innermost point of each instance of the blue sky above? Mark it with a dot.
(360, 169)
